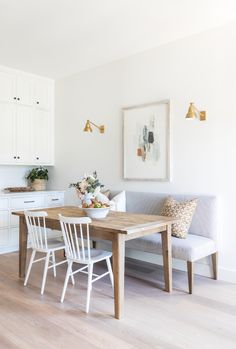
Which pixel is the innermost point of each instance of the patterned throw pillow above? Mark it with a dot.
(184, 211)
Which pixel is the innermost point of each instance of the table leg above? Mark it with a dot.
(118, 263)
(23, 233)
(167, 258)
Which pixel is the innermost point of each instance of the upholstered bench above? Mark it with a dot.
(201, 240)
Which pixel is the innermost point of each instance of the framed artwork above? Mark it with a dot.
(146, 137)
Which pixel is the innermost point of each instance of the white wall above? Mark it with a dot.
(202, 69)
(13, 176)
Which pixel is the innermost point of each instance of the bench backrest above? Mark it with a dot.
(205, 218)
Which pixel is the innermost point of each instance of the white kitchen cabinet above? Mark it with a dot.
(42, 137)
(24, 90)
(27, 202)
(43, 93)
(4, 238)
(15, 140)
(7, 134)
(26, 119)
(16, 88)
(9, 224)
(23, 149)
(4, 219)
(13, 239)
(54, 199)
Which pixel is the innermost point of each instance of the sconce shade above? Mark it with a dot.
(88, 127)
(191, 114)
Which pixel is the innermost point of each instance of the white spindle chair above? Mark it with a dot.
(38, 234)
(75, 232)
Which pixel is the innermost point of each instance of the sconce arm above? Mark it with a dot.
(101, 127)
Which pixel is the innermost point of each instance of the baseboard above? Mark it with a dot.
(228, 275)
(10, 249)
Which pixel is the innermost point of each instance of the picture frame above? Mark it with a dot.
(146, 142)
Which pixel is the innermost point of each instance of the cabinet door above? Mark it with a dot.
(14, 238)
(4, 237)
(7, 134)
(4, 219)
(43, 94)
(42, 137)
(24, 87)
(7, 87)
(23, 128)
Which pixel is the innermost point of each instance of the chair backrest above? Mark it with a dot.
(37, 229)
(75, 232)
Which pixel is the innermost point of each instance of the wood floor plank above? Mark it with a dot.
(154, 319)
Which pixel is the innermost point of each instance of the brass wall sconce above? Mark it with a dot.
(193, 113)
(88, 127)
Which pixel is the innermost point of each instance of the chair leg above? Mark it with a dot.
(214, 258)
(45, 272)
(68, 273)
(110, 271)
(72, 276)
(94, 243)
(54, 262)
(190, 276)
(29, 267)
(90, 274)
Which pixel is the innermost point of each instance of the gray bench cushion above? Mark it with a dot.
(190, 249)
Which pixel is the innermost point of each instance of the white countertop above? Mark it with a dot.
(23, 193)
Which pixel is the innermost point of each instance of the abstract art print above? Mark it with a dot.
(147, 142)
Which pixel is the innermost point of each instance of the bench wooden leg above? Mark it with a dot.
(190, 276)
(214, 258)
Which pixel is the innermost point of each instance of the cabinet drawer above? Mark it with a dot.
(54, 200)
(4, 219)
(23, 203)
(3, 204)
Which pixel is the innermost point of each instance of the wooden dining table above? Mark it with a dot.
(117, 227)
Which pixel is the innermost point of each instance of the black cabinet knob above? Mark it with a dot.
(18, 98)
(14, 157)
(37, 158)
(18, 157)
(37, 102)
(14, 98)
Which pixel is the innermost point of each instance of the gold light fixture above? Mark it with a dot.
(88, 127)
(193, 113)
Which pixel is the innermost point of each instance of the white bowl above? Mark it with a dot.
(96, 212)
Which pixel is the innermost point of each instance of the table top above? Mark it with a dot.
(122, 222)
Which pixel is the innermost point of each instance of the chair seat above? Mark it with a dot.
(53, 245)
(95, 256)
(192, 248)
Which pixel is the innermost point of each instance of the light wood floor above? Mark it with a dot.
(153, 318)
